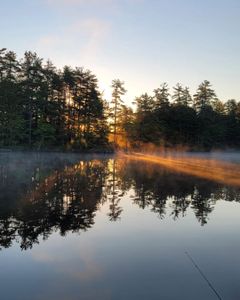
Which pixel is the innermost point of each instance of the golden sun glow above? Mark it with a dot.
(222, 172)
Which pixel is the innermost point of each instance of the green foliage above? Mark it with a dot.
(43, 107)
(181, 96)
(162, 96)
(204, 123)
(44, 134)
(115, 110)
(204, 96)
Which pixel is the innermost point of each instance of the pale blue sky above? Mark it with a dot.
(143, 42)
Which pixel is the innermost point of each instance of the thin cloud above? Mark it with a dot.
(78, 2)
(96, 31)
(91, 2)
(84, 39)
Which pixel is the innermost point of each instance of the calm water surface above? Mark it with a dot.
(84, 227)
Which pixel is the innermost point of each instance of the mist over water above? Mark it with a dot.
(219, 168)
(114, 227)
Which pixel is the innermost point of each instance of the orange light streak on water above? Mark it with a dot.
(211, 169)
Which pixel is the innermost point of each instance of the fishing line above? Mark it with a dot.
(203, 275)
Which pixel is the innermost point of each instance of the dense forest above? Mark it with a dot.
(199, 122)
(43, 107)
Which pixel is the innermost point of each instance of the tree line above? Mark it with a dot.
(198, 122)
(43, 107)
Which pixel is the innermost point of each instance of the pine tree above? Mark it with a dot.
(181, 96)
(11, 122)
(116, 106)
(204, 96)
(162, 96)
(34, 92)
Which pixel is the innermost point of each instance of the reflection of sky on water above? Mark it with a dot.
(140, 254)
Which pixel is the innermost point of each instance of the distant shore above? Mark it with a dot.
(33, 150)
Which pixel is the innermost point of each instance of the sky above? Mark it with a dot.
(142, 42)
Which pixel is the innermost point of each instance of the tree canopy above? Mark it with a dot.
(43, 107)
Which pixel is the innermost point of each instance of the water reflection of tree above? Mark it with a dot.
(114, 191)
(40, 195)
(67, 200)
(159, 189)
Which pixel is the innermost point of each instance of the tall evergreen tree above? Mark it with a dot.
(11, 122)
(41, 106)
(204, 96)
(34, 92)
(116, 106)
(161, 95)
(181, 95)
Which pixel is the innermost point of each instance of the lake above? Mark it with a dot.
(111, 227)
